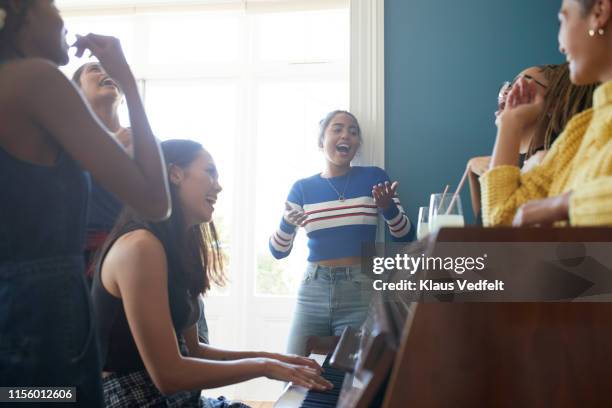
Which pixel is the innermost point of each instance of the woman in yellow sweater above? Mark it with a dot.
(574, 182)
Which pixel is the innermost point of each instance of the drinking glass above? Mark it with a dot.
(444, 211)
(423, 222)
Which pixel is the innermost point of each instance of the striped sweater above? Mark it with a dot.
(337, 229)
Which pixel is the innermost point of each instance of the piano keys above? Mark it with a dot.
(359, 366)
(293, 395)
(326, 399)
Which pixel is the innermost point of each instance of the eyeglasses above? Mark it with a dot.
(507, 87)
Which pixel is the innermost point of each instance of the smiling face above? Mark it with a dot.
(97, 86)
(197, 186)
(341, 140)
(588, 55)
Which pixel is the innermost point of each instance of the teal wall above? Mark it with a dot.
(444, 63)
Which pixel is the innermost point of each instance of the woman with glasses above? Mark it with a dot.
(561, 101)
(573, 184)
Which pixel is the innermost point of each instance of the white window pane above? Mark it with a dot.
(319, 36)
(120, 27)
(206, 112)
(288, 116)
(194, 38)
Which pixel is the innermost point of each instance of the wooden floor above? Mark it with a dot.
(259, 404)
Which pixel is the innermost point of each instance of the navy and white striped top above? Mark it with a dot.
(337, 229)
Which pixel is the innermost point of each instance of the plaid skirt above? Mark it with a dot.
(136, 390)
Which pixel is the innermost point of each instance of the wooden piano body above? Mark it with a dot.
(538, 354)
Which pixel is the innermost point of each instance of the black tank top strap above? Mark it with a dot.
(118, 349)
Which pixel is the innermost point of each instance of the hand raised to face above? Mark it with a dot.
(110, 54)
(523, 105)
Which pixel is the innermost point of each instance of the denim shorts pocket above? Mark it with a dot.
(362, 281)
(307, 277)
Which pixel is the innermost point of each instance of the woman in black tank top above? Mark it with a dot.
(145, 294)
(48, 136)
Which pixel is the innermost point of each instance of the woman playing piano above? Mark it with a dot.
(145, 293)
(339, 210)
(104, 96)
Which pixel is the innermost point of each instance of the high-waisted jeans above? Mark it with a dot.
(47, 335)
(329, 299)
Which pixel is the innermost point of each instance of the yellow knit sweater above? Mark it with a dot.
(580, 161)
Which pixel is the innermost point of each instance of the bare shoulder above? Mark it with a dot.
(31, 68)
(32, 77)
(139, 255)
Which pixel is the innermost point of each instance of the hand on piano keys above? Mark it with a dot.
(295, 360)
(295, 396)
(301, 371)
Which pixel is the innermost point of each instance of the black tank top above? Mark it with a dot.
(42, 209)
(118, 349)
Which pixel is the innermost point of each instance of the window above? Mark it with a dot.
(250, 81)
(262, 77)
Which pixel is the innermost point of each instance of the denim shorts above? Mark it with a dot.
(47, 335)
(329, 299)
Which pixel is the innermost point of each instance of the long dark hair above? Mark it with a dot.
(194, 259)
(563, 100)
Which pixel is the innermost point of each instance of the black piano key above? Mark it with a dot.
(322, 398)
(325, 399)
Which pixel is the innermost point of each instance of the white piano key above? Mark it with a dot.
(293, 395)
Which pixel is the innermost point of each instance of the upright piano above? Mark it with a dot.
(514, 354)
